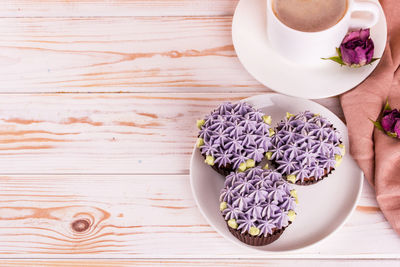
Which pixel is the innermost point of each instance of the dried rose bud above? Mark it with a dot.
(389, 122)
(356, 49)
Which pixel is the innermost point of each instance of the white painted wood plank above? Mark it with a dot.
(91, 8)
(129, 54)
(147, 216)
(202, 262)
(104, 133)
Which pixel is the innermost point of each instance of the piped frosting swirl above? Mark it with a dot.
(257, 201)
(306, 145)
(235, 136)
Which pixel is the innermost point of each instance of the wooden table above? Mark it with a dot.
(97, 122)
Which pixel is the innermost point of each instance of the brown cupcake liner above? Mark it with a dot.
(225, 171)
(312, 180)
(256, 240)
(306, 181)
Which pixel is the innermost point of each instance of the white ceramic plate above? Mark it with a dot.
(326, 79)
(323, 207)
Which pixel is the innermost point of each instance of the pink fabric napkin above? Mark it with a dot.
(377, 154)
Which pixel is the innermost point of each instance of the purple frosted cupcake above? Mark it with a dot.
(257, 205)
(234, 137)
(306, 148)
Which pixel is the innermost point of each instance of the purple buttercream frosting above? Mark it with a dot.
(305, 145)
(234, 133)
(257, 198)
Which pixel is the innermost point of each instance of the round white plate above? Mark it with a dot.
(326, 79)
(323, 207)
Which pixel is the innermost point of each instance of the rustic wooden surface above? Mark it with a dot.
(198, 262)
(122, 54)
(115, 8)
(98, 101)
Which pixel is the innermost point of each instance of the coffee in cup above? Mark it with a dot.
(309, 15)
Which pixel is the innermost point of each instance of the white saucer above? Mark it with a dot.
(323, 207)
(326, 79)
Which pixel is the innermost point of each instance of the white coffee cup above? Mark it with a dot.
(309, 47)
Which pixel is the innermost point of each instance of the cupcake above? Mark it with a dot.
(234, 137)
(257, 205)
(306, 148)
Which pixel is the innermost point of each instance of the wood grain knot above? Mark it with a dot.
(80, 225)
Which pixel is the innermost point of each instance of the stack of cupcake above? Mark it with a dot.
(259, 203)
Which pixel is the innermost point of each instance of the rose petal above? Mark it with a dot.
(351, 36)
(395, 113)
(361, 56)
(370, 53)
(388, 122)
(349, 56)
(397, 128)
(364, 35)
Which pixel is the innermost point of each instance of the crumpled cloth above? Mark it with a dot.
(377, 154)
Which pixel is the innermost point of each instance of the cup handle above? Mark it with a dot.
(367, 7)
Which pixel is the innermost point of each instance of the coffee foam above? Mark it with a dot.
(309, 15)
